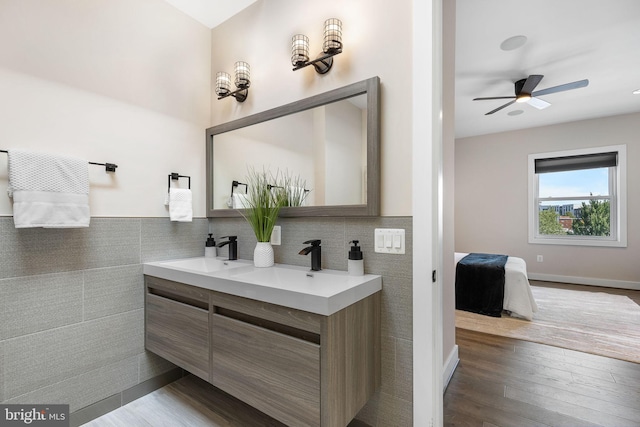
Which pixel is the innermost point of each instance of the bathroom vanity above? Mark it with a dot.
(300, 346)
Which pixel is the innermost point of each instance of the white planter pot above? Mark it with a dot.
(263, 255)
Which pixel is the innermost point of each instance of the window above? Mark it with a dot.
(578, 197)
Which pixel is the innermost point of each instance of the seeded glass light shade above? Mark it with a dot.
(332, 36)
(299, 49)
(243, 75)
(223, 83)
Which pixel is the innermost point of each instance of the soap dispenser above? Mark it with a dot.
(356, 263)
(210, 250)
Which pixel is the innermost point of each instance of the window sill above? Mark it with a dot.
(622, 243)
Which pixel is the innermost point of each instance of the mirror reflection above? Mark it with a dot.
(327, 148)
(323, 150)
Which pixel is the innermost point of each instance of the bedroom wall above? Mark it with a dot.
(491, 200)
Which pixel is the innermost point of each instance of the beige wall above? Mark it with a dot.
(110, 81)
(491, 198)
(377, 41)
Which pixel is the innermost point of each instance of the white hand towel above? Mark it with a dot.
(48, 191)
(241, 201)
(180, 205)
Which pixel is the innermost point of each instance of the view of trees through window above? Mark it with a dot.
(592, 218)
(578, 197)
(575, 203)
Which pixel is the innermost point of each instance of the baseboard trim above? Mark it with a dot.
(111, 403)
(450, 366)
(591, 281)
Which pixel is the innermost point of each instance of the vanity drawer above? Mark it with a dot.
(179, 332)
(277, 373)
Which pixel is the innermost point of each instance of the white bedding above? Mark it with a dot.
(518, 298)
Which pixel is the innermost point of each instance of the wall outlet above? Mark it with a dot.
(539, 258)
(276, 236)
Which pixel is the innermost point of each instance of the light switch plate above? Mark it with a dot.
(389, 240)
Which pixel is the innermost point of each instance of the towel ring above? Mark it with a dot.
(174, 176)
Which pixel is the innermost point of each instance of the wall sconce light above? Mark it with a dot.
(331, 46)
(243, 81)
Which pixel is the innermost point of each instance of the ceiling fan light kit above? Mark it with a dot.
(524, 92)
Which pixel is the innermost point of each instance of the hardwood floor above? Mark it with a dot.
(507, 382)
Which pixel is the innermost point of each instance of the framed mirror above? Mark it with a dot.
(329, 142)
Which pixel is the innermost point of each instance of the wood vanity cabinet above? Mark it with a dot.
(301, 368)
(177, 324)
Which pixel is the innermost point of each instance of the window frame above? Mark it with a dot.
(617, 196)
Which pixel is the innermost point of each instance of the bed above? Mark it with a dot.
(518, 299)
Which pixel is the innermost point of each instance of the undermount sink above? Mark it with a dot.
(322, 292)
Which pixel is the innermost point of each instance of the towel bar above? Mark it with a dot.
(109, 167)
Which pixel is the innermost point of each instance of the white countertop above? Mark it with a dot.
(322, 292)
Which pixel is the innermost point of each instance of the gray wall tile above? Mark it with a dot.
(295, 231)
(163, 239)
(404, 370)
(1, 371)
(363, 229)
(109, 254)
(235, 227)
(36, 303)
(30, 251)
(371, 409)
(388, 362)
(151, 365)
(397, 307)
(113, 290)
(107, 242)
(45, 358)
(146, 387)
(87, 388)
(394, 412)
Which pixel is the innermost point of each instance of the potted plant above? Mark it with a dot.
(265, 196)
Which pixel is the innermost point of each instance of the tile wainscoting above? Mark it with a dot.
(71, 306)
(71, 310)
(392, 404)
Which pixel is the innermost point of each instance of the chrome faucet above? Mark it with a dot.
(233, 246)
(316, 254)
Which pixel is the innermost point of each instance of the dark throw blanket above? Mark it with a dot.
(480, 284)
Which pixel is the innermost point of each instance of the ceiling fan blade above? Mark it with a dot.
(540, 104)
(562, 88)
(494, 97)
(531, 83)
(500, 108)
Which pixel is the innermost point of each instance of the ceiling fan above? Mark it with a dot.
(524, 92)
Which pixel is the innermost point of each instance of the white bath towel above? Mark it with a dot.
(48, 191)
(180, 205)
